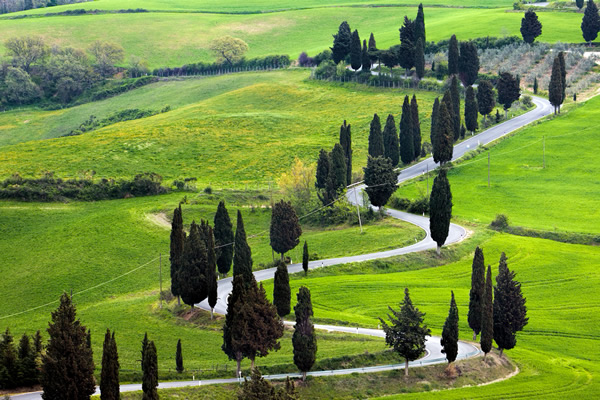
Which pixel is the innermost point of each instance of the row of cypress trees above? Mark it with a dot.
(334, 169)
(19, 365)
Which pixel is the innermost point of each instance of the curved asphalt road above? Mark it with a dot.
(433, 353)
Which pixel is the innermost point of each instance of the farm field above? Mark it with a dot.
(183, 38)
(564, 196)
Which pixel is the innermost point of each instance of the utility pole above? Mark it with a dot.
(357, 209)
(544, 151)
(488, 169)
(160, 278)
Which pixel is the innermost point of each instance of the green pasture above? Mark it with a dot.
(564, 196)
(174, 39)
(234, 131)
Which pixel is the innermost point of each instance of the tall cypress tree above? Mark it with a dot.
(381, 180)
(143, 351)
(193, 283)
(449, 340)
(373, 52)
(242, 255)
(468, 63)
(281, 290)
(406, 52)
(366, 61)
(440, 208)
(434, 120)
(176, 251)
(109, 376)
(420, 58)
(355, 51)
(416, 124)
(304, 339)
(376, 146)
(150, 375)
(407, 150)
(510, 312)
(179, 358)
(487, 315)
(444, 135)
(338, 167)
(508, 91)
(67, 365)
(590, 24)
(455, 95)
(223, 239)
(531, 27)
(420, 25)
(390, 140)
(285, 228)
(535, 85)
(342, 42)
(476, 293)
(471, 110)
(486, 99)
(305, 258)
(28, 374)
(234, 328)
(346, 143)
(563, 74)
(9, 362)
(453, 56)
(555, 89)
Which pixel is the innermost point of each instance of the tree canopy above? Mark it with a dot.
(285, 227)
(304, 339)
(590, 24)
(228, 49)
(449, 339)
(531, 27)
(381, 180)
(440, 209)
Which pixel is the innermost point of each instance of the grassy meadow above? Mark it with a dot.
(183, 38)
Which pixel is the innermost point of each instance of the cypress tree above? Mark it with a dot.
(416, 124)
(510, 312)
(150, 376)
(346, 143)
(444, 134)
(364, 57)
(304, 339)
(579, 4)
(455, 94)
(373, 52)
(285, 227)
(109, 376)
(27, 373)
(420, 25)
(242, 255)
(487, 315)
(468, 63)
(144, 346)
(563, 74)
(281, 290)
(471, 110)
(535, 85)
(390, 140)
(420, 58)
(498, 118)
(223, 239)
(434, 120)
(37, 343)
(440, 209)
(67, 365)
(590, 24)
(179, 358)
(453, 56)
(381, 180)
(9, 362)
(233, 328)
(407, 151)
(555, 89)
(193, 283)
(342, 42)
(376, 146)
(406, 333)
(508, 91)
(176, 251)
(323, 167)
(531, 27)
(355, 51)
(486, 99)
(449, 340)
(338, 167)
(305, 258)
(476, 293)
(406, 53)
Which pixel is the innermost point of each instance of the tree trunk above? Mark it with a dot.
(501, 351)
(239, 367)
(212, 313)
(281, 256)
(303, 376)
(406, 368)
(178, 300)
(505, 114)
(438, 249)
(474, 336)
(252, 364)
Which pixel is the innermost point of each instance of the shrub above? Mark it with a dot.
(208, 190)
(500, 222)
(526, 100)
(305, 61)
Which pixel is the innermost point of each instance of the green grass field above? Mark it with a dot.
(174, 39)
(564, 196)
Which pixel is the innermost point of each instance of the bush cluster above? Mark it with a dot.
(93, 123)
(417, 206)
(123, 86)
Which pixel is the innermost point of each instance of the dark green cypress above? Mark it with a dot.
(281, 290)
(193, 284)
(510, 312)
(234, 327)
(455, 94)
(381, 180)
(487, 315)
(563, 74)
(449, 340)
(486, 99)
(179, 358)
(453, 56)
(355, 51)
(376, 146)
(531, 27)
(144, 345)
(420, 58)
(373, 52)
(223, 238)
(242, 255)
(444, 135)
(342, 42)
(416, 125)
(406, 52)
(67, 365)
(590, 24)
(440, 208)
(471, 110)
(304, 339)
(555, 89)
(390, 140)
(420, 25)
(109, 376)
(150, 376)
(346, 143)
(305, 258)
(366, 61)
(28, 374)
(476, 293)
(468, 63)
(323, 167)
(9, 362)
(434, 120)
(407, 151)
(535, 85)
(176, 251)
(338, 167)
(285, 228)
(508, 91)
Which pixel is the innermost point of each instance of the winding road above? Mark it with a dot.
(456, 234)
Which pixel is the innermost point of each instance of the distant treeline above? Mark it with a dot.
(49, 188)
(79, 11)
(9, 6)
(261, 63)
(482, 43)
